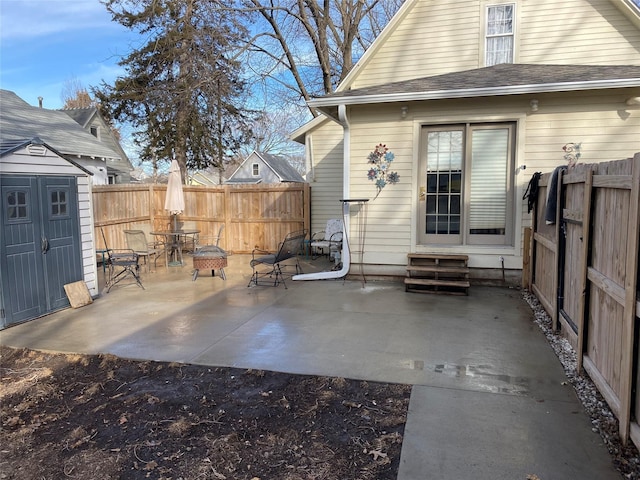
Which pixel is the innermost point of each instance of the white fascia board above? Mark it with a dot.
(474, 92)
(631, 11)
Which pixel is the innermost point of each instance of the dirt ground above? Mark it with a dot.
(102, 417)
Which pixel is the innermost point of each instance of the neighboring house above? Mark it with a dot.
(472, 98)
(260, 167)
(212, 175)
(46, 238)
(19, 120)
(206, 178)
(118, 169)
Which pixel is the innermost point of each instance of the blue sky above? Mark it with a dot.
(46, 43)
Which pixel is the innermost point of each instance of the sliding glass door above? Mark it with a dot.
(466, 185)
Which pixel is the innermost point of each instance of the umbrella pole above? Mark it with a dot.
(175, 247)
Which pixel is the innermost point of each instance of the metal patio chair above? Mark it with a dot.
(137, 241)
(121, 264)
(271, 265)
(330, 239)
(209, 240)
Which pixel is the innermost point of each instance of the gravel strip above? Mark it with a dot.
(625, 458)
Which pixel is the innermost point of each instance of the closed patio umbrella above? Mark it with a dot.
(174, 201)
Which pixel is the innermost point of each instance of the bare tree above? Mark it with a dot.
(309, 46)
(74, 95)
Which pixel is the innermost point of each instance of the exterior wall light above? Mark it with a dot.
(534, 105)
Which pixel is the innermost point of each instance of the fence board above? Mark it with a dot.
(253, 215)
(597, 246)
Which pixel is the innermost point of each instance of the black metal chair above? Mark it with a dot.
(270, 265)
(120, 265)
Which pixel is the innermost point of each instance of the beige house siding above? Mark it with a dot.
(326, 178)
(566, 32)
(441, 34)
(434, 37)
(606, 127)
(437, 37)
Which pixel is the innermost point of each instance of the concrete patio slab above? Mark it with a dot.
(489, 399)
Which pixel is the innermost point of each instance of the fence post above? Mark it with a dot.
(630, 287)
(584, 254)
(526, 259)
(558, 229)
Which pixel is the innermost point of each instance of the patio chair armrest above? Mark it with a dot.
(258, 251)
(336, 238)
(204, 240)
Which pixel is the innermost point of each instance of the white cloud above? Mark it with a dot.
(23, 19)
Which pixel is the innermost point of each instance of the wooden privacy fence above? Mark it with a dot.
(584, 271)
(253, 215)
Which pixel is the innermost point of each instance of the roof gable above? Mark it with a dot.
(278, 165)
(434, 37)
(83, 116)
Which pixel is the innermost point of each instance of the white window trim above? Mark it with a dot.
(255, 169)
(484, 13)
(519, 184)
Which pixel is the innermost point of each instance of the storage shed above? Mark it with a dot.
(46, 239)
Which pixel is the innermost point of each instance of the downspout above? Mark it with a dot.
(346, 163)
(308, 145)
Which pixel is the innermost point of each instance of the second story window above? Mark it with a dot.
(95, 131)
(255, 170)
(500, 39)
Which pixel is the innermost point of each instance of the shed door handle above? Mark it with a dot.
(44, 245)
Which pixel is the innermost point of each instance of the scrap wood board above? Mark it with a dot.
(78, 294)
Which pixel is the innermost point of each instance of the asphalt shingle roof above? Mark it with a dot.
(503, 75)
(19, 120)
(282, 167)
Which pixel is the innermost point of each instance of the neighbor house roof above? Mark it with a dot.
(19, 120)
(240, 180)
(503, 79)
(279, 165)
(81, 115)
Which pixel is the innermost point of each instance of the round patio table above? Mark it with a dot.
(173, 245)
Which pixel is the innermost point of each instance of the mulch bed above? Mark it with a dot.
(103, 417)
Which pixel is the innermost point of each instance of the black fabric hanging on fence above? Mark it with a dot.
(531, 193)
(552, 196)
